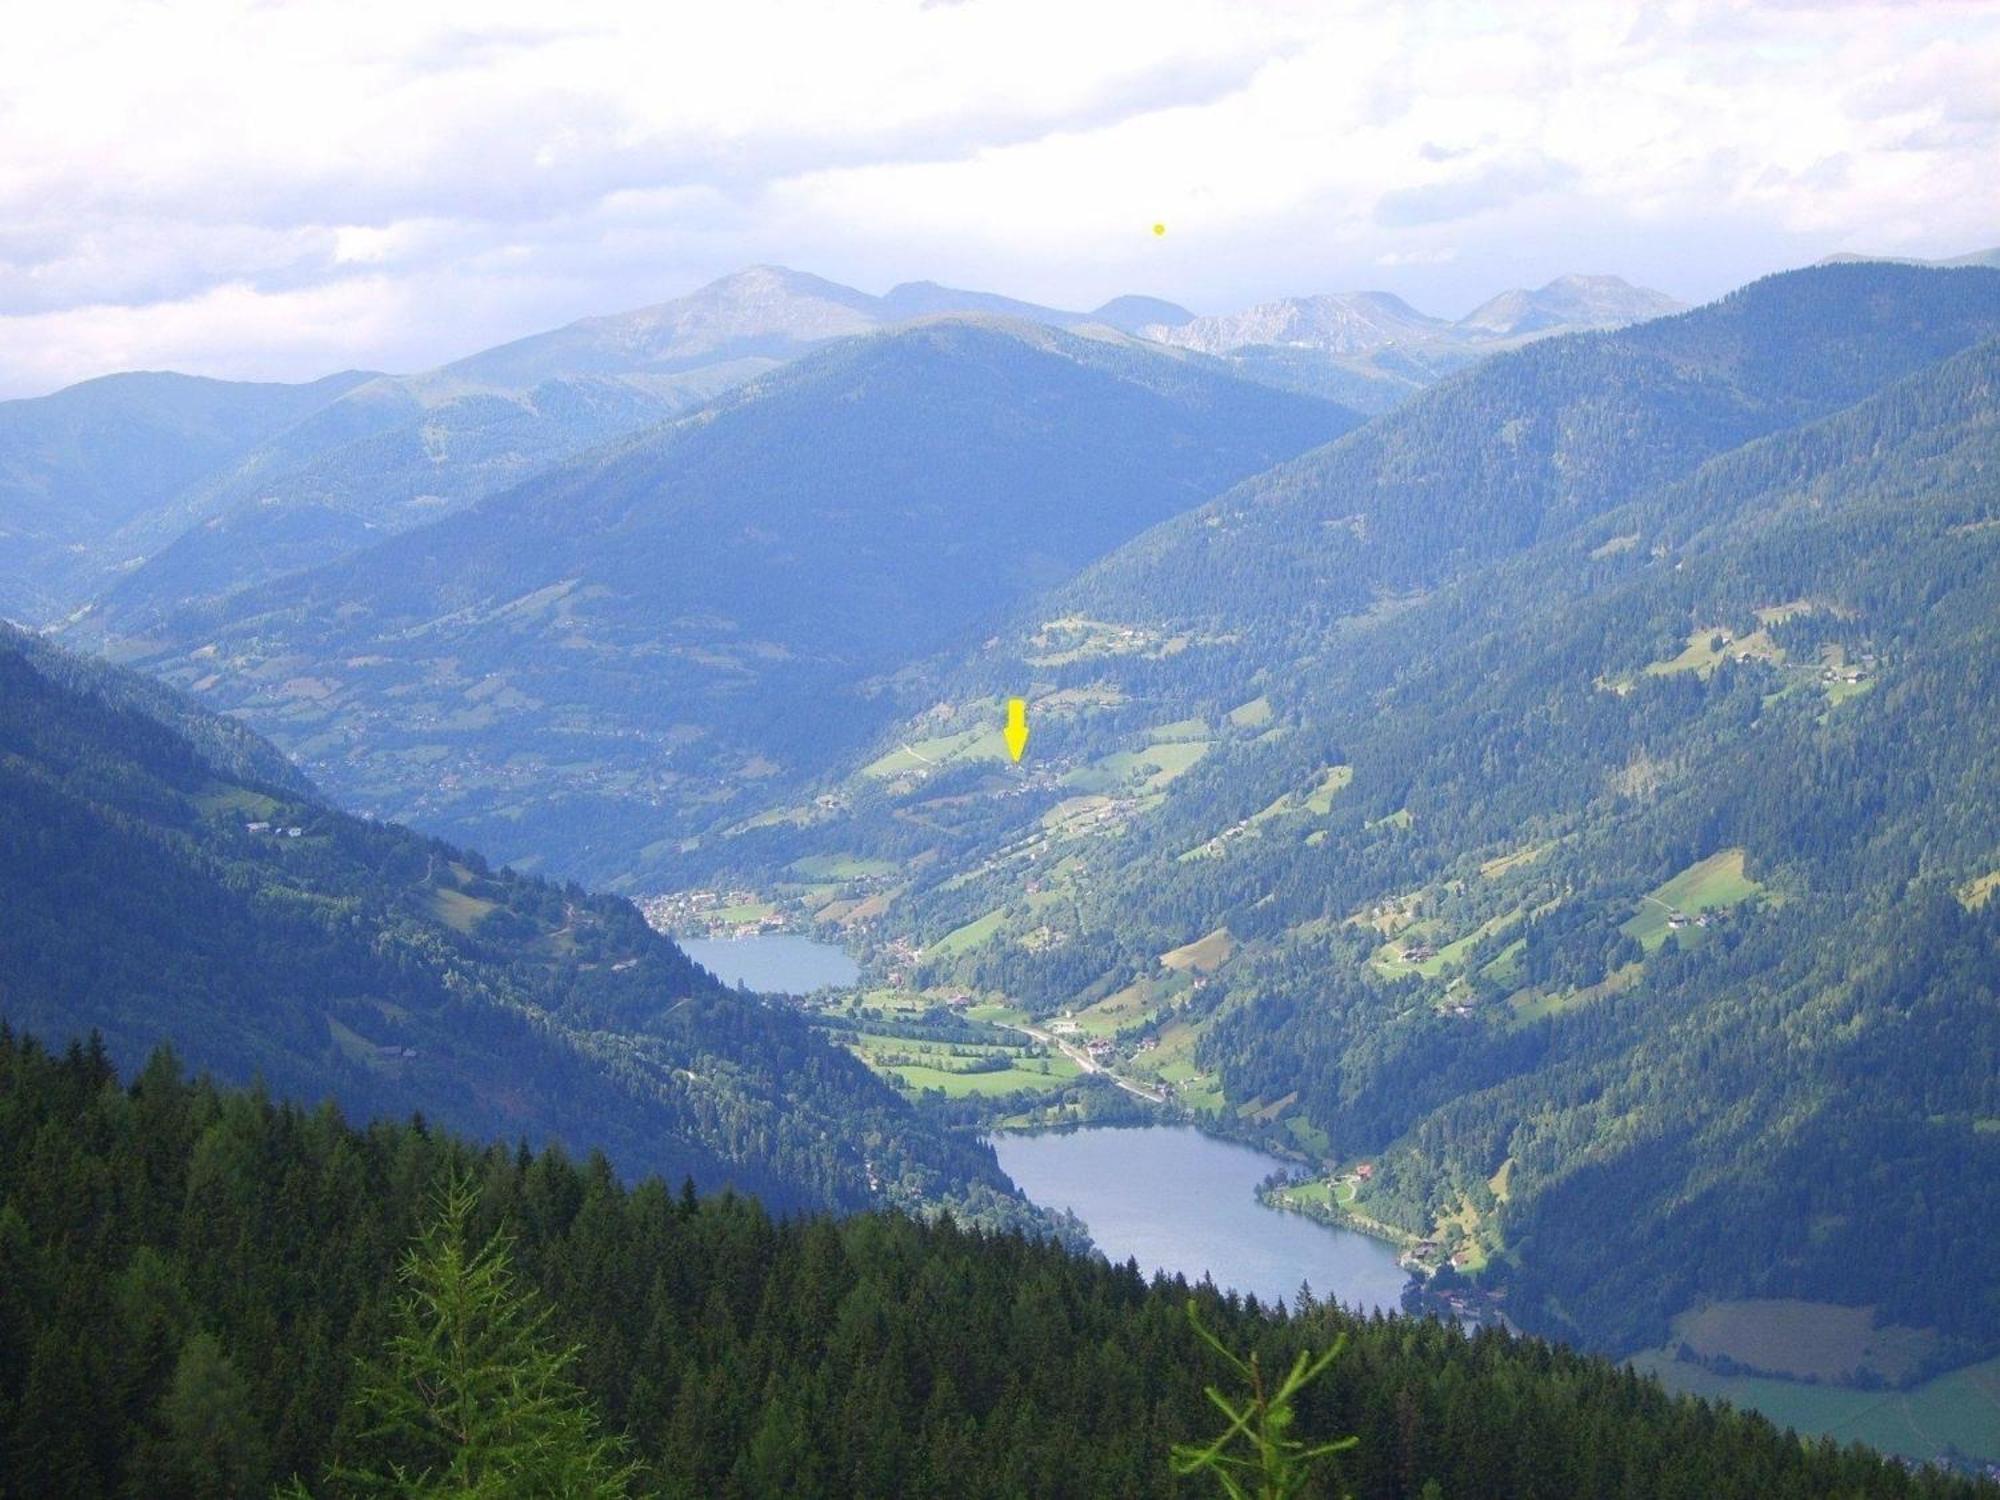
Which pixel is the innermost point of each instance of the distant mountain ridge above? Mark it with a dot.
(325, 468)
(1351, 323)
(1574, 791)
(79, 466)
(1569, 302)
(1372, 349)
(192, 491)
(1986, 258)
(762, 313)
(565, 669)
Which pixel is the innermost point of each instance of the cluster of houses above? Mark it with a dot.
(701, 911)
(899, 958)
(1679, 919)
(277, 833)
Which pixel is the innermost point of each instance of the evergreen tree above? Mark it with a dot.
(472, 1397)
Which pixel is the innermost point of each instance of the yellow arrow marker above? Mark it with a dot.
(1017, 726)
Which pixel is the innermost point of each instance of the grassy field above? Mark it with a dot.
(1147, 770)
(960, 1069)
(1252, 715)
(1317, 800)
(458, 911)
(1308, 1135)
(1960, 1409)
(1202, 955)
(928, 755)
(842, 867)
(971, 935)
(1320, 799)
(1715, 882)
(1077, 638)
(1389, 959)
(1533, 1005)
(1127, 1007)
(1976, 893)
(1493, 869)
(1039, 1074)
(1173, 1062)
(1807, 1340)
(1709, 646)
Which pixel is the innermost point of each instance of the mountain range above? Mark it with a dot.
(1565, 794)
(1542, 759)
(725, 599)
(136, 493)
(170, 880)
(1371, 349)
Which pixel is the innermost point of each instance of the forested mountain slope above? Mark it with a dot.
(1533, 443)
(370, 456)
(78, 466)
(572, 671)
(1373, 350)
(1599, 846)
(190, 1281)
(158, 890)
(400, 452)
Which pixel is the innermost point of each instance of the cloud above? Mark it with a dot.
(1491, 186)
(235, 186)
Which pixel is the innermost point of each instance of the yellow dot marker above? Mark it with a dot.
(1159, 229)
(1017, 727)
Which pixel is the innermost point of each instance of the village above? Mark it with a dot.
(713, 914)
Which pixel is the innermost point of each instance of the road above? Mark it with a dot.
(1088, 1063)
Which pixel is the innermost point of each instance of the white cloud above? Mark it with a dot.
(234, 186)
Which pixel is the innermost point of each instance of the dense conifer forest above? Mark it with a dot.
(200, 1295)
(166, 876)
(1586, 772)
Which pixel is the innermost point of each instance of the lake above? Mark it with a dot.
(776, 963)
(1178, 1200)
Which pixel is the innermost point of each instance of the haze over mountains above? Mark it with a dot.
(170, 881)
(1373, 348)
(221, 485)
(1562, 783)
(1428, 748)
(730, 597)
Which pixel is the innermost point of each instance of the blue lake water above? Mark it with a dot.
(1178, 1200)
(775, 963)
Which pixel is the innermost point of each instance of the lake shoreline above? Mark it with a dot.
(1133, 1186)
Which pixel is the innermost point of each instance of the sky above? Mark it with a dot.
(274, 189)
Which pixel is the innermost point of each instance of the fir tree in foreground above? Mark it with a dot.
(472, 1397)
(202, 1288)
(1278, 1464)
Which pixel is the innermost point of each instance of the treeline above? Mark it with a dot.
(154, 891)
(1472, 604)
(191, 1281)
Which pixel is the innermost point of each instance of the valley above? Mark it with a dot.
(1419, 882)
(1415, 830)
(1025, 752)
